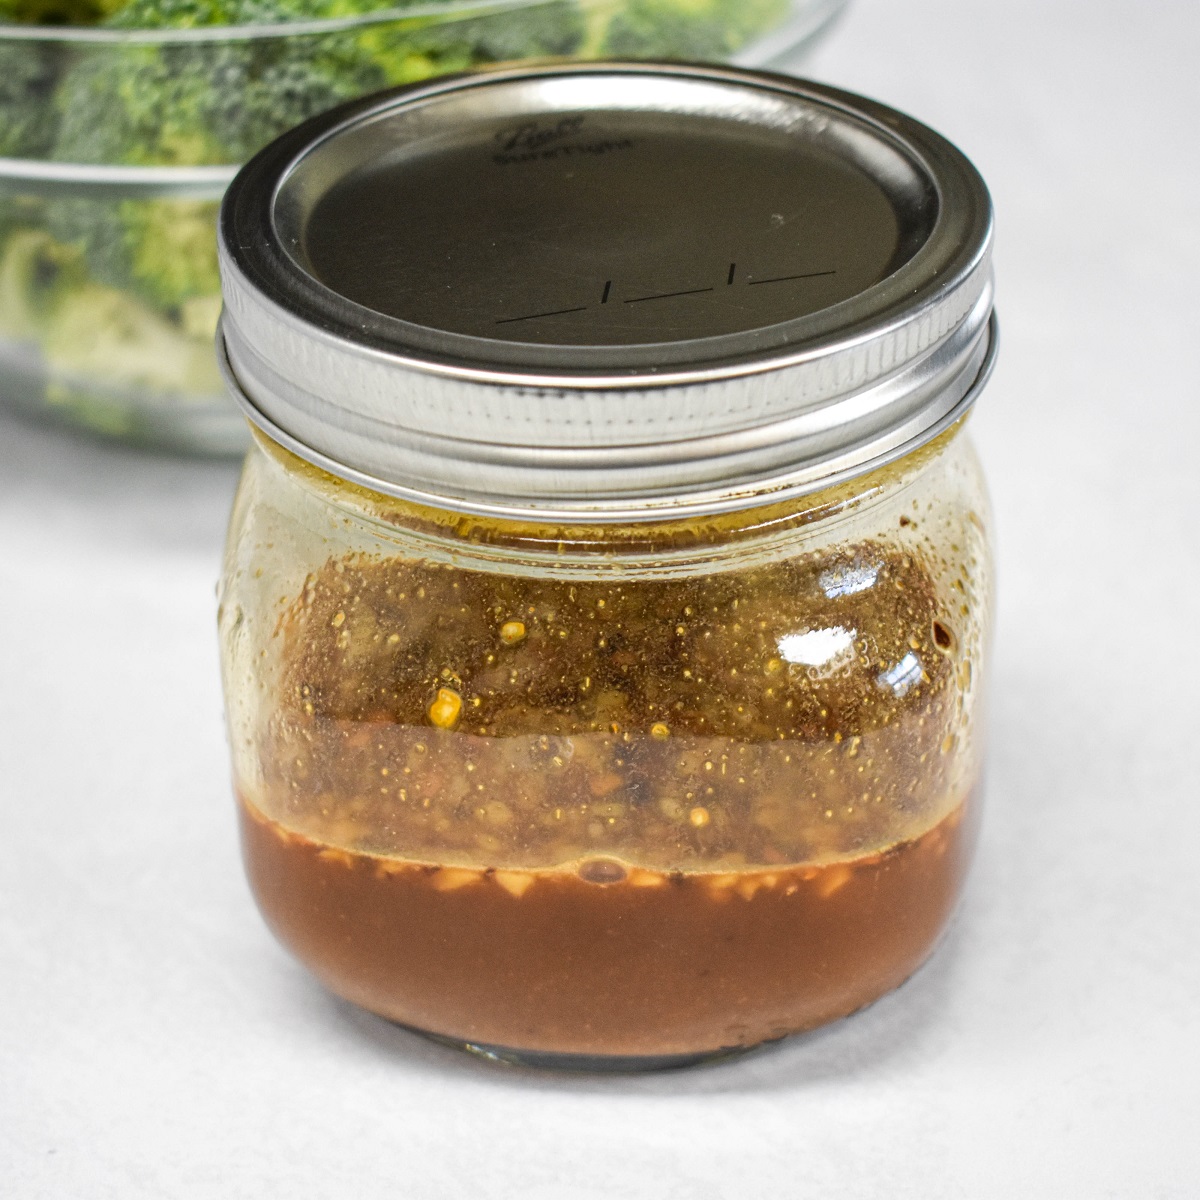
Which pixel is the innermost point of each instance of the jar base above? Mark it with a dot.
(605, 1064)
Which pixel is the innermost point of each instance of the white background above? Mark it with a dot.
(154, 1042)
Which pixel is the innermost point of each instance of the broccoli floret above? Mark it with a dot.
(219, 102)
(195, 105)
(36, 272)
(687, 29)
(28, 77)
(163, 250)
(49, 296)
(57, 12)
(204, 103)
(125, 291)
(552, 29)
(187, 104)
(106, 335)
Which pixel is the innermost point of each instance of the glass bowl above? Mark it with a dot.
(116, 146)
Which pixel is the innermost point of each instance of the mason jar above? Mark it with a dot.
(606, 606)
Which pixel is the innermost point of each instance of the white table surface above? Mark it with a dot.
(155, 1042)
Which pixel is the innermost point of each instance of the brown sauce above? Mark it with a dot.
(616, 817)
(607, 959)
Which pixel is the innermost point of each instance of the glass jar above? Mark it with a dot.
(607, 694)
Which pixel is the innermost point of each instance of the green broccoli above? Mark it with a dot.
(195, 103)
(205, 103)
(86, 330)
(125, 290)
(161, 249)
(28, 77)
(687, 29)
(219, 102)
(186, 104)
(57, 12)
(35, 273)
(546, 29)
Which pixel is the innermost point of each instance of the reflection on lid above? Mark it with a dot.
(817, 647)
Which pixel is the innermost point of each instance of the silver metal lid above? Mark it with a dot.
(606, 291)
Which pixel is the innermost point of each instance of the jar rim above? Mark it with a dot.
(753, 394)
(642, 512)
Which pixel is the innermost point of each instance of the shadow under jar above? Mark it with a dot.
(606, 603)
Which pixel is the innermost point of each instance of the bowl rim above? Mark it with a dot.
(815, 15)
(264, 30)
